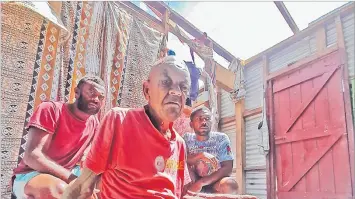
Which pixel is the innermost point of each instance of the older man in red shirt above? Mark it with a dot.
(136, 152)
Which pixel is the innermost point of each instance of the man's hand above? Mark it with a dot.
(83, 187)
(210, 157)
(192, 159)
(196, 187)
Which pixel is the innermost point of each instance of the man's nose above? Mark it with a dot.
(96, 99)
(175, 90)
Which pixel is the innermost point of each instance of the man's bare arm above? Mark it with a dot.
(83, 187)
(36, 147)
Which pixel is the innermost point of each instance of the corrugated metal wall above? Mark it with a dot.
(298, 50)
(307, 46)
(253, 85)
(256, 184)
(230, 130)
(348, 30)
(254, 138)
(227, 105)
(228, 110)
(331, 34)
(255, 157)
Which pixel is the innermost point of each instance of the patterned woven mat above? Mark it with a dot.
(40, 61)
(142, 51)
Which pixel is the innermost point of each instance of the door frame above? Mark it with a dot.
(271, 163)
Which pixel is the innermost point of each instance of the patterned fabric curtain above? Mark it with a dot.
(43, 57)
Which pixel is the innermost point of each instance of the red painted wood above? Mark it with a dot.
(340, 150)
(350, 125)
(307, 74)
(315, 156)
(310, 131)
(304, 135)
(284, 149)
(276, 125)
(325, 164)
(313, 195)
(308, 122)
(298, 147)
(314, 91)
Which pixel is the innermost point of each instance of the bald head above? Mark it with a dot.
(169, 62)
(167, 87)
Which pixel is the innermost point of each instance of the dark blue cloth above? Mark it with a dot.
(171, 52)
(195, 76)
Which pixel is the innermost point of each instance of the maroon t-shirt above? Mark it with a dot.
(71, 136)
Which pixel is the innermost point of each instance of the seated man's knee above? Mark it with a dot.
(228, 185)
(45, 186)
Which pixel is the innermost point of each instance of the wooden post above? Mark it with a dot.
(240, 145)
(219, 105)
(270, 177)
(321, 39)
(347, 97)
(165, 20)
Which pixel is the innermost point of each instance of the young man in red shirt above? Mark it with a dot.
(137, 153)
(58, 135)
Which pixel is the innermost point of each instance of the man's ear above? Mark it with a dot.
(77, 92)
(191, 125)
(146, 90)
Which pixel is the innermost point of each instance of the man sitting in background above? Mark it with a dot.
(209, 159)
(58, 135)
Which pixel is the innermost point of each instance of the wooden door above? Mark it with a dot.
(311, 148)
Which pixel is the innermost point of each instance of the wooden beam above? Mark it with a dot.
(252, 112)
(287, 16)
(271, 170)
(347, 9)
(165, 21)
(190, 28)
(225, 78)
(141, 14)
(321, 40)
(339, 31)
(219, 104)
(227, 120)
(240, 144)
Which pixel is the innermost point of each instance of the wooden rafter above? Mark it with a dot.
(189, 27)
(287, 16)
(141, 14)
(225, 79)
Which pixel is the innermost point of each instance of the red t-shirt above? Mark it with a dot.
(133, 157)
(71, 136)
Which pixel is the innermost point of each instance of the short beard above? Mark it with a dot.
(83, 106)
(203, 133)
